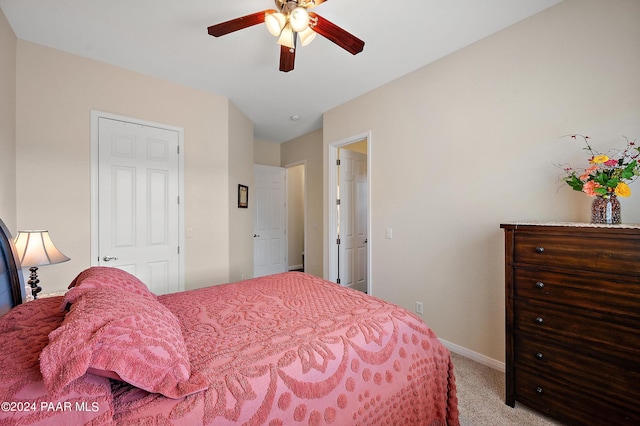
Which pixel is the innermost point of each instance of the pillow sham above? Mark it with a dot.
(120, 335)
(104, 276)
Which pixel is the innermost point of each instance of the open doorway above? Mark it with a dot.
(349, 213)
(296, 216)
(269, 220)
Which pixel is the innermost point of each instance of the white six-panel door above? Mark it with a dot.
(138, 189)
(353, 219)
(269, 221)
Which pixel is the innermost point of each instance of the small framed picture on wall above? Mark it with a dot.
(243, 196)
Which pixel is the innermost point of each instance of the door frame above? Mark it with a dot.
(95, 246)
(306, 209)
(331, 204)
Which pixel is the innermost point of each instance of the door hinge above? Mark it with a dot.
(178, 249)
(178, 199)
(337, 162)
(178, 149)
(338, 202)
(338, 241)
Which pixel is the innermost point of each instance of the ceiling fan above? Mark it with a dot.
(292, 22)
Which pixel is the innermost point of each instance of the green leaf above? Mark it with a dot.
(574, 182)
(601, 191)
(612, 183)
(601, 178)
(629, 171)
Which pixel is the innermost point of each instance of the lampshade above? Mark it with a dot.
(307, 36)
(35, 248)
(286, 26)
(299, 19)
(287, 37)
(275, 23)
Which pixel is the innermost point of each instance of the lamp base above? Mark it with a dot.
(33, 282)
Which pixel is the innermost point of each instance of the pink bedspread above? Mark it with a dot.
(294, 349)
(281, 350)
(23, 397)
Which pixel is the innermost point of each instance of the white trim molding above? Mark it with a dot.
(482, 359)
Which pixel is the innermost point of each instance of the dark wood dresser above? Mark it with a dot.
(573, 321)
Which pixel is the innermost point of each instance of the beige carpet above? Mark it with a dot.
(481, 398)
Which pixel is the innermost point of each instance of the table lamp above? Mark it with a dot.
(34, 249)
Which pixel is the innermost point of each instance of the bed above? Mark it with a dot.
(286, 349)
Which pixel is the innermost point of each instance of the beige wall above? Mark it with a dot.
(472, 140)
(266, 153)
(56, 92)
(308, 148)
(240, 172)
(8, 49)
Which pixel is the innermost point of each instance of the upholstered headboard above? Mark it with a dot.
(12, 291)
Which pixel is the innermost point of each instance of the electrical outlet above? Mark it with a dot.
(419, 308)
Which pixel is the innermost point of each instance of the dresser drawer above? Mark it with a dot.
(572, 405)
(579, 252)
(586, 330)
(593, 293)
(567, 365)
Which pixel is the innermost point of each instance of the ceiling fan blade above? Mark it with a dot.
(331, 31)
(287, 58)
(238, 23)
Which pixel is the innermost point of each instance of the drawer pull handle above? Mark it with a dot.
(539, 320)
(539, 355)
(539, 249)
(539, 284)
(539, 390)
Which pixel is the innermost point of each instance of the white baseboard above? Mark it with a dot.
(482, 359)
(296, 267)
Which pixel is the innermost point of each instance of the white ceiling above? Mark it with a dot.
(168, 39)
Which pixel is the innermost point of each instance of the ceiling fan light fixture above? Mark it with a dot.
(291, 23)
(287, 37)
(275, 22)
(307, 36)
(299, 19)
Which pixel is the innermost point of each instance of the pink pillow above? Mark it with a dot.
(103, 276)
(120, 335)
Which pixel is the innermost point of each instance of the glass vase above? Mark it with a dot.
(606, 209)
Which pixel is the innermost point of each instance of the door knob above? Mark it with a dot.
(109, 258)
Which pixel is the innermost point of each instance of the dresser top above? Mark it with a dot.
(572, 225)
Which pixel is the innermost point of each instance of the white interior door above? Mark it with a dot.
(269, 221)
(352, 222)
(138, 202)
